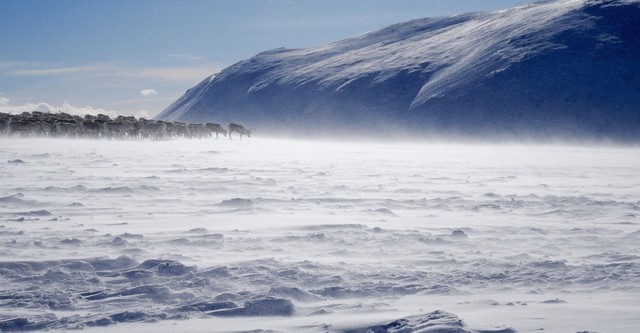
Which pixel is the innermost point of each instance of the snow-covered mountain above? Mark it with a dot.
(554, 68)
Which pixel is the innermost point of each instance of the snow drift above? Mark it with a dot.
(561, 68)
(273, 235)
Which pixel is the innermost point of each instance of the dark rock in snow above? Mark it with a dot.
(550, 69)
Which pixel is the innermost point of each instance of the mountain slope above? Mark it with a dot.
(560, 68)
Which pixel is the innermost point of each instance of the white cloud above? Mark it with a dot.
(66, 107)
(4, 101)
(143, 114)
(148, 92)
(46, 107)
(110, 70)
(61, 70)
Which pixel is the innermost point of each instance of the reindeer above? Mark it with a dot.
(92, 129)
(119, 130)
(4, 123)
(47, 128)
(153, 130)
(216, 128)
(68, 129)
(24, 128)
(238, 128)
(198, 131)
(179, 129)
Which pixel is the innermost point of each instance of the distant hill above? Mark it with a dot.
(551, 69)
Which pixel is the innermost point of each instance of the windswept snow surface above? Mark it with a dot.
(267, 235)
(554, 68)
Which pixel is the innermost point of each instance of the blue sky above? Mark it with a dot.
(138, 56)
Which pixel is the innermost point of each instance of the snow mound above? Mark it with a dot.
(260, 308)
(434, 322)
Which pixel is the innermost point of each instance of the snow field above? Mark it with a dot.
(191, 235)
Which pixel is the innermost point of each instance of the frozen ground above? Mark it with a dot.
(276, 235)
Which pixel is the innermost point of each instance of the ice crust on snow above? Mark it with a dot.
(554, 68)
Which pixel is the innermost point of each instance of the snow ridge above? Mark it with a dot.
(563, 68)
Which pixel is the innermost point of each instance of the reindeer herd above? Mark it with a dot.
(28, 124)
